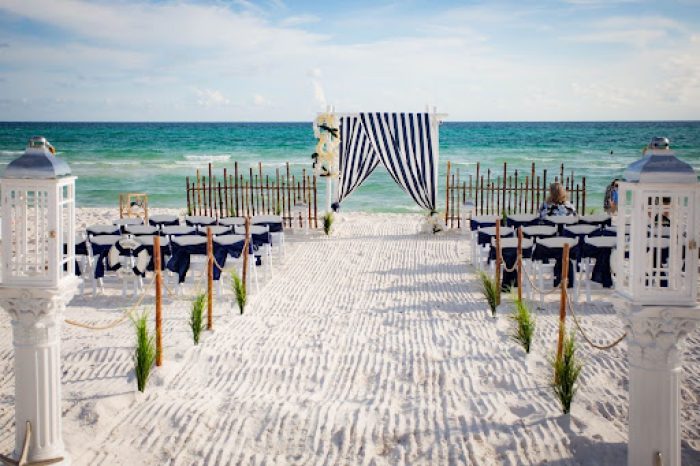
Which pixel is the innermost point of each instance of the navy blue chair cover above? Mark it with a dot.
(164, 220)
(474, 225)
(510, 257)
(180, 259)
(181, 256)
(200, 220)
(601, 270)
(164, 251)
(545, 254)
(485, 238)
(102, 230)
(591, 221)
(275, 227)
(100, 253)
(222, 251)
(518, 223)
(603, 232)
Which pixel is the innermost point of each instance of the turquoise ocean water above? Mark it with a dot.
(110, 158)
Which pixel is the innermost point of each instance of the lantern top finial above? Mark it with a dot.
(37, 162)
(660, 165)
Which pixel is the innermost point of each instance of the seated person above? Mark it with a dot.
(557, 203)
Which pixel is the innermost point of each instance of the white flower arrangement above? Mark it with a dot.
(433, 223)
(326, 129)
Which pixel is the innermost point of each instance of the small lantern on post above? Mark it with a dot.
(657, 275)
(38, 279)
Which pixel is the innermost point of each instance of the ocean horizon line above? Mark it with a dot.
(310, 121)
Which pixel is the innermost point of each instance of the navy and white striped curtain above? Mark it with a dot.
(402, 142)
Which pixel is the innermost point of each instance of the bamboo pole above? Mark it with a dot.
(159, 300)
(228, 212)
(277, 189)
(210, 279)
(476, 191)
(520, 263)
(562, 300)
(246, 248)
(583, 196)
(505, 172)
(252, 192)
(189, 206)
(210, 187)
(447, 193)
(199, 200)
(532, 198)
(235, 186)
(498, 261)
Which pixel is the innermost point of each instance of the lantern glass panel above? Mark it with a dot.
(28, 256)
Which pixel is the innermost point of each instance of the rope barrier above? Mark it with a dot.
(118, 321)
(585, 337)
(534, 287)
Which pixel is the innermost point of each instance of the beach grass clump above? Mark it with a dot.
(524, 324)
(197, 317)
(328, 219)
(566, 373)
(490, 289)
(145, 353)
(239, 290)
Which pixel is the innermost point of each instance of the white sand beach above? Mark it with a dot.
(372, 346)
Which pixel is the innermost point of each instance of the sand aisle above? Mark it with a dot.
(371, 347)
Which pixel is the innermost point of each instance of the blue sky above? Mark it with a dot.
(278, 60)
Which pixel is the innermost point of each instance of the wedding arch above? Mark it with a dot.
(407, 144)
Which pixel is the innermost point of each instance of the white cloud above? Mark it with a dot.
(261, 101)
(188, 61)
(210, 98)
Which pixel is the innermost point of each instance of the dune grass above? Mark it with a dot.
(145, 352)
(197, 317)
(490, 289)
(239, 290)
(524, 324)
(567, 370)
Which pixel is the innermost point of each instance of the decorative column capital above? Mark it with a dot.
(657, 334)
(35, 312)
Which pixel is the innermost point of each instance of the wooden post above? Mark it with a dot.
(520, 263)
(189, 212)
(447, 193)
(246, 247)
(583, 196)
(228, 211)
(159, 300)
(532, 199)
(199, 200)
(503, 203)
(476, 192)
(562, 301)
(235, 186)
(210, 187)
(210, 279)
(277, 188)
(498, 261)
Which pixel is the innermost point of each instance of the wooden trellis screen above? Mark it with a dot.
(254, 193)
(515, 192)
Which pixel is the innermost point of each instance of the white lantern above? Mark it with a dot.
(659, 202)
(38, 218)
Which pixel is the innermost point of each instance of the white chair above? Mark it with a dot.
(265, 251)
(586, 264)
(126, 271)
(483, 251)
(196, 260)
(276, 237)
(233, 263)
(541, 269)
(100, 241)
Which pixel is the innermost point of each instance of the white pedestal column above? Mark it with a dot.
(655, 337)
(329, 193)
(37, 315)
